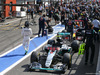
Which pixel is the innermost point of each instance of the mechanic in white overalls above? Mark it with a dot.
(26, 33)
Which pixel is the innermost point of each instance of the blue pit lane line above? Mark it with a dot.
(18, 53)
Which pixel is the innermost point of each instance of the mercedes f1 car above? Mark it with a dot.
(57, 56)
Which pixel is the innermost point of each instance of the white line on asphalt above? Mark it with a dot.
(11, 21)
(12, 66)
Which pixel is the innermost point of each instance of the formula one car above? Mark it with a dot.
(80, 23)
(57, 56)
(78, 30)
(66, 36)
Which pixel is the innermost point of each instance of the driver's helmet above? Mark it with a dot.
(27, 24)
(64, 31)
(59, 39)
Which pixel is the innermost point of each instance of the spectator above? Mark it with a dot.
(50, 13)
(28, 10)
(47, 8)
(63, 15)
(22, 9)
(40, 9)
(85, 19)
(32, 10)
(56, 16)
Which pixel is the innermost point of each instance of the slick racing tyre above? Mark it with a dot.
(75, 45)
(34, 57)
(67, 60)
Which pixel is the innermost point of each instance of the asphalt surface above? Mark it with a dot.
(78, 67)
(10, 33)
(11, 37)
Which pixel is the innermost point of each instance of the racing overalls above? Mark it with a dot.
(89, 36)
(26, 33)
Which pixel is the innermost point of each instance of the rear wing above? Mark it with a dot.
(81, 22)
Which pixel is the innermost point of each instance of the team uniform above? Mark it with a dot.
(89, 36)
(41, 26)
(62, 15)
